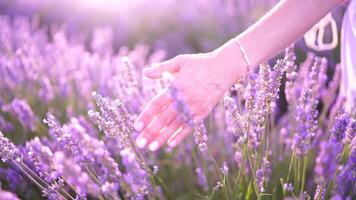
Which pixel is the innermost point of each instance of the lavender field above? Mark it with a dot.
(70, 92)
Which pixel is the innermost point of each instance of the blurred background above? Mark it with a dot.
(177, 26)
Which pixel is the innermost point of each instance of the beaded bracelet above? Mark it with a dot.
(244, 55)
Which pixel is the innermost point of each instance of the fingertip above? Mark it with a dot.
(172, 143)
(151, 73)
(138, 125)
(179, 136)
(153, 146)
(141, 142)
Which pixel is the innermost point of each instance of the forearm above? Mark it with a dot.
(285, 23)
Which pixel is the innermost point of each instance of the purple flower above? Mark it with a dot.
(63, 137)
(202, 182)
(276, 78)
(8, 151)
(114, 120)
(288, 187)
(46, 93)
(135, 177)
(319, 193)
(325, 164)
(316, 77)
(5, 125)
(23, 112)
(291, 74)
(200, 135)
(306, 118)
(350, 131)
(338, 131)
(41, 157)
(88, 152)
(263, 174)
(250, 91)
(346, 179)
(224, 169)
(235, 122)
(74, 175)
(180, 105)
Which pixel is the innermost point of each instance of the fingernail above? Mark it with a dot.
(147, 70)
(141, 142)
(172, 143)
(153, 146)
(138, 126)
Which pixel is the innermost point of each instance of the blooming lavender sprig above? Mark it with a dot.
(235, 122)
(201, 178)
(88, 152)
(135, 177)
(63, 137)
(350, 131)
(306, 117)
(250, 92)
(338, 131)
(8, 151)
(263, 174)
(316, 77)
(276, 79)
(346, 179)
(180, 105)
(23, 112)
(114, 120)
(291, 74)
(5, 125)
(41, 157)
(200, 135)
(75, 175)
(319, 193)
(325, 164)
(46, 93)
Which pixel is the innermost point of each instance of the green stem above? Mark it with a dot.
(28, 175)
(253, 174)
(305, 163)
(242, 166)
(290, 166)
(220, 173)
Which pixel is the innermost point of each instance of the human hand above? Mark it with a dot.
(201, 79)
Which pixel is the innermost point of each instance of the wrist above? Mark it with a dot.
(234, 57)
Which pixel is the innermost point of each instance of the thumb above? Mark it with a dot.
(157, 69)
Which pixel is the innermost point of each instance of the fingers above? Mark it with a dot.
(179, 136)
(152, 109)
(156, 71)
(163, 120)
(163, 136)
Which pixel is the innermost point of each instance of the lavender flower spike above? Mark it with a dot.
(8, 151)
(74, 175)
(114, 120)
(23, 112)
(200, 135)
(346, 178)
(306, 115)
(338, 132)
(236, 123)
(325, 163)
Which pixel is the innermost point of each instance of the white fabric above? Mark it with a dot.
(348, 56)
